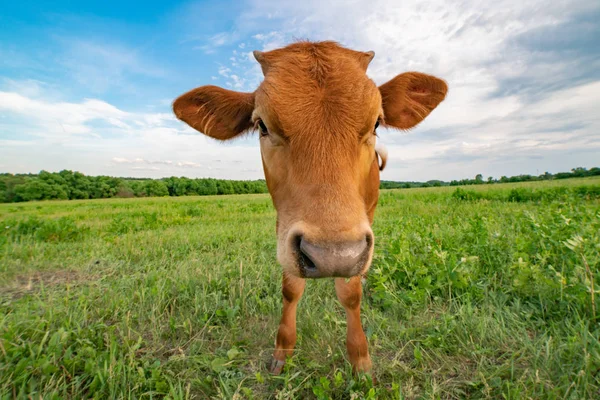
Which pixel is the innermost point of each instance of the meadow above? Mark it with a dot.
(487, 291)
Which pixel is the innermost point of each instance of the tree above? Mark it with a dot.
(156, 188)
(38, 189)
(579, 172)
(207, 187)
(8, 183)
(138, 187)
(77, 184)
(104, 187)
(224, 187)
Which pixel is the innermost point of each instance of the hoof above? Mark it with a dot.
(364, 367)
(276, 366)
(365, 374)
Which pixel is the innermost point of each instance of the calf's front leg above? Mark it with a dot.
(292, 290)
(349, 293)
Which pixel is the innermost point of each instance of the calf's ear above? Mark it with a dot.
(410, 97)
(216, 112)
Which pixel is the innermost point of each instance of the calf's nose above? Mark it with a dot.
(343, 259)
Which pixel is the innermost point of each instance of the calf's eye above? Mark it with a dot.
(376, 125)
(262, 128)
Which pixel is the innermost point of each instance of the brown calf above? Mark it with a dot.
(317, 113)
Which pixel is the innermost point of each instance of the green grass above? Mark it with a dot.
(484, 295)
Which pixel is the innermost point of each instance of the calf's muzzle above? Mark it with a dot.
(332, 259)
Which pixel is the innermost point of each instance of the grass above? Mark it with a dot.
(484, 295)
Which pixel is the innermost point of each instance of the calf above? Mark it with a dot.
(317, 113)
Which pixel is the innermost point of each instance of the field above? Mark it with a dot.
(488, 291)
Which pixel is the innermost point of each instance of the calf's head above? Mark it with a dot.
(316, 113)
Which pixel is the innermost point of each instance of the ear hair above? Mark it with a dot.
(262, 60)
(219, 113)
(410, 97)
(365, 59)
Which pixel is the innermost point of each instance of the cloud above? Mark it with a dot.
(224, 71)
(145, 168)
(103, 67)
(138, 161)
(63, 119)
(27, 87)
(95, 137)
(522, 75)
(555, 134)
(213, 43)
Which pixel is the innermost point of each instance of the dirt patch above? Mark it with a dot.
(31, 283)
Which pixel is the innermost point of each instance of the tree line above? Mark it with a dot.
(575, 173)
(69, 185)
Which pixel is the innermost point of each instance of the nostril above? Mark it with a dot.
(369, 240)
(297, 240)
(306, 263)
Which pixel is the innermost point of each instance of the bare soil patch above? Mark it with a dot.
(34, 281)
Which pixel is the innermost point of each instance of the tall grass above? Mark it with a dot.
(487, 292)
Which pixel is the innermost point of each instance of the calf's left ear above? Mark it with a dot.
(219, 113)
(410, 97)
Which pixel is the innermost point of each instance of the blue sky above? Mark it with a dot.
(88, 85)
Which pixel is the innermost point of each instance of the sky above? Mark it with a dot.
(88, 85)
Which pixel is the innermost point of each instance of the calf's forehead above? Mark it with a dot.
(344, 97)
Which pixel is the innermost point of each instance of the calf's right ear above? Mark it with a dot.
(216, 112)
(410, 97)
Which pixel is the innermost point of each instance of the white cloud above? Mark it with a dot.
(63, 119)
(473, 46)
(27, 87)
(224, 71)
(95, 137)
(102, 67)
(145, 168)
(543, 120)
(553, 134)
(189, 164)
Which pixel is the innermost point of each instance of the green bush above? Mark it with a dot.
(63, 229)
(462, 194)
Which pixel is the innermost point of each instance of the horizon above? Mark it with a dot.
(497, 178)
(88, 87)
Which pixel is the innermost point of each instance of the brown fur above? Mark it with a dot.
(318, 157)
(219, 113)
